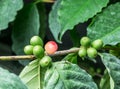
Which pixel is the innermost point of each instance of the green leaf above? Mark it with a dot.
(105, 81)
(54, 24)
(10, 81)
(106, 26)
(112, 65)
(65, 75)
(26, 25)
(32, 75)
(72, 57)
(69, 13)
(8, 11)
(43, 25)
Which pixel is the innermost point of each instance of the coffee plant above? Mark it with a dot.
(93, 60)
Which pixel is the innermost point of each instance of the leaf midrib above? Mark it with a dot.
(61, 78)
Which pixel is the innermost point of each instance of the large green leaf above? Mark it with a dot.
(106, 25)
(54, 24)
(43, 18)
(26, 25)
(32, 75)
(68, 13)
(65, 75)
(105, 81)
(112, 65)
(8, 11)
(73, 12)
(10, 81)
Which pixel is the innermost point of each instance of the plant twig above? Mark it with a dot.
(45, 1)
(58, 53)
(98, 75)
(15, 58)
(31, 57)
(64, 52)
(48, 1)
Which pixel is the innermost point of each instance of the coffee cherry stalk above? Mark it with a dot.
(36, 48)
(89, 48)
(51, 47)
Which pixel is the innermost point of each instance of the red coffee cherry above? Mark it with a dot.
(51, 47)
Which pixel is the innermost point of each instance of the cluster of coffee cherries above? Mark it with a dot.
(89, 48)
(36, 48)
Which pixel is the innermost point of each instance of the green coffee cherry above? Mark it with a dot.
(45, 61)
(85, 41)
(82, 52)
(28, 49)
(38, 51)
(97, 44)
(91, 52)
(36, 40)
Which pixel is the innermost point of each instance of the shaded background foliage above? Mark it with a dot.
(70, 39)
(6, 42)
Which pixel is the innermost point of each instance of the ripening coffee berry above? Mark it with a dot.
(45, 61)
(91, 52)
(51, 47)
(97, 44)
(28, 49)
(85, 41)
(38, 51)
(82, 52)
(36, 40)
